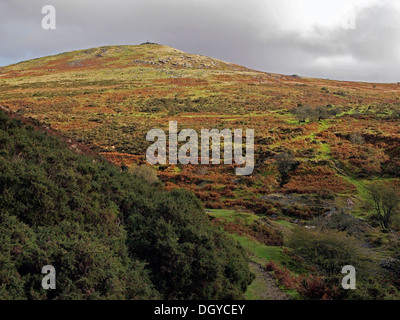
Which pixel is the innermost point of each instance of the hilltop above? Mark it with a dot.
(151, 54)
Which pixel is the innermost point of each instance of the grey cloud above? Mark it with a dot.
(244, 32)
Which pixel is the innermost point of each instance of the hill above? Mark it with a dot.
(319, 146)
(110, 97)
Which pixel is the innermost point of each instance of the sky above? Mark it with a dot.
(355, 40)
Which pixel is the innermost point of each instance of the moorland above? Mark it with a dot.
(324, 191)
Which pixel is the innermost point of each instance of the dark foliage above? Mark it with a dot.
(108, 233)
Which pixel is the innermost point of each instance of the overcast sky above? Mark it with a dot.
(305, 37)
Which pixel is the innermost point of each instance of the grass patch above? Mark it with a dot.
(231, 216)
(256, 290)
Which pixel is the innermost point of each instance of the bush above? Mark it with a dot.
(357, 138)
(110, 234)
(343, 222)
(181, 247)
(329, 251)
(144, 172)
(88, 266)
(303, 113)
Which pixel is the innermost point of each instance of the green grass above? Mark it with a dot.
(325, 152)
(361, 187)
(285, 223)
(231, 216)
(256, 290)
(363, 193)
(260, 253)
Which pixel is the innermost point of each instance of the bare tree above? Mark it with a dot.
(386, 202)
(286, 163)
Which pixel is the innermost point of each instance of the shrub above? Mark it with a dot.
(144, 172)
(356, 138)
(342, 222)
(327, 250)
(110, 234)
(284, 276)
(303, 113)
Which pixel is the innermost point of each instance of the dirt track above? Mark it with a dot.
(272, 291)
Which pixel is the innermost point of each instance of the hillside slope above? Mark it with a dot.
(109, 234)
(319, 144)
(110, 97)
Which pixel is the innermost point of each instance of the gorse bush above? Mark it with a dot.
(109, 234)
(88, 266)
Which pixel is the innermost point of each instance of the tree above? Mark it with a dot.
(286, 163)
(324, 112)
(386, 203)
(303, 113)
